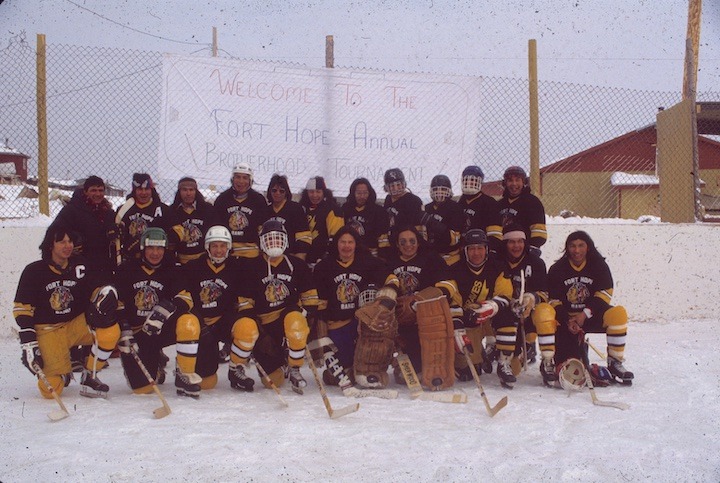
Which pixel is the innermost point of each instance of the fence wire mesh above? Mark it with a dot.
(597, 145)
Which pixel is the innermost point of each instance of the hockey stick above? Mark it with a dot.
(334, 414)
(165, 409)
(492, 410)
(416, 389)
(270, 382)
(522, 321)
(591, 387)
(57, 414)
(329, 359)
(602, 355)
(118, 221)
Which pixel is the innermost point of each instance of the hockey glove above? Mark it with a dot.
(379, 315)
(535, 251)
(127, 344)
(461, 337)
(31, 357)
(523, 307)
(154, 322)
(106, 300)
(486, 311)
(404, 310)
(114, 231)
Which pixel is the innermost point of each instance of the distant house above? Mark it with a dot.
(13, 165)
(618, 179)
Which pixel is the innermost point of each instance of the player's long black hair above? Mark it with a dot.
(55, 233)
(372, 198)
(360, 247)
(592, 253)
(280, 181)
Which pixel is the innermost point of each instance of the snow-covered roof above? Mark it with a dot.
(619, 178)
(6, 150)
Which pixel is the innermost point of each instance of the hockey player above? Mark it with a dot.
(193, 216)
(142, 210)
(340, 278)
(275, 297)
(323, 216)
(580, 287)
(443, 220)
(290, 214)
(362, 212)
(402, 206)
(207, 304)
(481, 211)
(143, 285)
(520, 206)
(60, 303)
(483, 297)
(90, 215)
(242, 210)
(532, 309)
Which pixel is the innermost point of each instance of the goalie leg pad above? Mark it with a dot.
(435, 330)
(373, 355)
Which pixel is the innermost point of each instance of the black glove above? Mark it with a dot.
(154, 322)
(31, 357)
(113, 232)
(535, 251)
(432, 223)
(106, 300)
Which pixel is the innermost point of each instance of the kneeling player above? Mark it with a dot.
(60, 304)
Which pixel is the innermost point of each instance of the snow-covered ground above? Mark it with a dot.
(666, 276)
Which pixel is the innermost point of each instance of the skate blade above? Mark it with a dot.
(298, 390)
(180, 392)
(91, 393)
(507, 385)
(57, 415)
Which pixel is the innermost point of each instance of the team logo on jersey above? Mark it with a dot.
(578, 293)
(276, 291)
(60, 299)
(408, 282)
(347, 291)
(210, 293)
(238, 221)
(137, 227)
(146, 298)
(357, 225)
(191, 233)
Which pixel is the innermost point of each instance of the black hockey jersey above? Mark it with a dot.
(424, 270)
(243, 218)
(535, 273)
(292, 216)
(444, 236)
(370, 222)
(576, 288)
(190, 228)
(528, 211)
(141, 287)
(137, 219)
(482, 211)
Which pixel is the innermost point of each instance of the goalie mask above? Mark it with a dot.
(273, 238)
(218, 233)
(471, 180)
(368, 295)
(571, 374)
(395, 182)
(440, 188)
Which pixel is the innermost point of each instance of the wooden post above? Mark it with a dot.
(214, 42)
(329, 52)
(691, 55)
(534, 119)
(40, 95)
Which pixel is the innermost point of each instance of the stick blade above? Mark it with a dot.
(58, 415)
(611, 404)
(161, 412)
(446, 397)
(338, 413)
(492, 411)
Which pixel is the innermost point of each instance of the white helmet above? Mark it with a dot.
(243, 168)
(221, 234)
(273, 238)
(572, 375)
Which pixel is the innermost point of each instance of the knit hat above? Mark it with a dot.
(513, 231)
(142, 180)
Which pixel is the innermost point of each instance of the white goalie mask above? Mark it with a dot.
(572, 375)
(368, 295)
(471, 180)
(273, 238)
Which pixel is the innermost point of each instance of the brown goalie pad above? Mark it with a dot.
(435, 329)
(374, 353)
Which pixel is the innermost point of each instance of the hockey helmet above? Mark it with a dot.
(153, 237)
(368, 295)
(475, 236)
(243, 168)
(571, 374)
(218, 233)
(395, 181)
(273, 238)
(515, 171)
(440, 188)
(471, 180)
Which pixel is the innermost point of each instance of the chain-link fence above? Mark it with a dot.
(106, 115)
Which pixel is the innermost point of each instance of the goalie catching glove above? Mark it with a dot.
(154, 322)
(404, 310)
(379, 315)
(31, 357)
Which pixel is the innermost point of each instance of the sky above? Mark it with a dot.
(638, 44)
(671, 431)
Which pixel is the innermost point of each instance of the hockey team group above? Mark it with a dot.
(453, 288)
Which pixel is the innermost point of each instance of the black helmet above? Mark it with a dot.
(471, 180)
(440, 188)
(273, 238)
(475, 236)
(394, 174)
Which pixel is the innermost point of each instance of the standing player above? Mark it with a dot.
(193, 217)
(520, 206)
(290, 214)
(144, 286)
(61, 303)
(484, 293)
(481, 211)
(142, 210)
(444, 220)
(581, 287)
(362, 212)
(275, 297)
(532, 309)
(242, 210)
(323, 217)
(402, 206)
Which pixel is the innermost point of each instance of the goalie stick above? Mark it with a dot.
(118, 221)
(492, 410)
(329, 359)
(416, 389)
(57, 414)
(333, 413)
(165, 409)
(270, 382)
